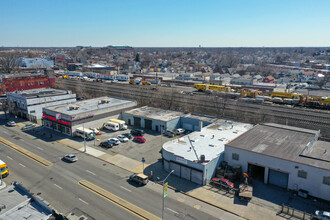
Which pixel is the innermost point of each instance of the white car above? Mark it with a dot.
(122, 138)
(179, 131)
(11, 123)
(114, 141)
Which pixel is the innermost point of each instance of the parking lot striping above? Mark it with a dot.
(39, 148)
(22, 165)
(10, 157)
(172, 210)
(26, 153)
(83, 201)
(91, 172)
(58, 186)
(141, 213)
(125, 189)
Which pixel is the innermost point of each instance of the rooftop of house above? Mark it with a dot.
(285, 142)
(156, 113)
(210, 141)
(90, 105)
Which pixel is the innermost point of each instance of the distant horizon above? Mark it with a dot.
(168, 24)
(157, 47)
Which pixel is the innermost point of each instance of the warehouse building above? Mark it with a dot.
(161, 120)
(28, 104)
(196, 156)
(88, 113)
(288, 157)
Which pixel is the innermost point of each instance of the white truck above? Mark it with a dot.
(112, 126)
(85, 133)
(122, 125)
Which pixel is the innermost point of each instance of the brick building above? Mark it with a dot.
(25, 81)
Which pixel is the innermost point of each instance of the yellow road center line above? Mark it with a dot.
(26, 153)
(118, 201)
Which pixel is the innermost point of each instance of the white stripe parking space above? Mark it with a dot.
(83, 201)
(57, 186)
(88, 171)
(125, 189)
(22, 165)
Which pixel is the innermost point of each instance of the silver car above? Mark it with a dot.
(122, 138)
(70, 157)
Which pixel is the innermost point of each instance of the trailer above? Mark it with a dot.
(245, 192)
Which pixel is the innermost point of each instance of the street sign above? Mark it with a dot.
(165, 189)
(143, 160)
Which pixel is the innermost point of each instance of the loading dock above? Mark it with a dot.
(256, 171)
(278, 178)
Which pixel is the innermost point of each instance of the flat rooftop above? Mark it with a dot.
(155, 113)
(284, 142)
(20, 206)
(210, 141)
(89, 105)
(43, 92)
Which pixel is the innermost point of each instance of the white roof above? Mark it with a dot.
(209, 141)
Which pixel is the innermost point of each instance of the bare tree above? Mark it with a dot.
(9, 61)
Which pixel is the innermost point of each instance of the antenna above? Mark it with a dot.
(193, 148)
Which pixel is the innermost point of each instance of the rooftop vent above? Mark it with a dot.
(202, 135)
(211, 145)
(73, 107)
(202, 158)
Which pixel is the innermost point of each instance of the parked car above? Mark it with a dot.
(28, 126)
(140, 178)
(114, 141)
(140, 139)
(96, 132)
(11, 123)
(128, 135)
(323, 214)
(137, 132)
(179, 131)
(71, 158)
(169, 134)
(106, 144)
(222, 181)
(122, 138)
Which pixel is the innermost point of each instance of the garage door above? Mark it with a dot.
(166, 166)
(137, 122)
(185, 172)
(148, 124)
(278, 178)
(197, 177)
(176, 168)
(187, 126)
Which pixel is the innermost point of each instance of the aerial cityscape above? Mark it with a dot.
(186, 109)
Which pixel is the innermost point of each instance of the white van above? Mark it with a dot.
(112, 126)
(122, 125)
(85, 133)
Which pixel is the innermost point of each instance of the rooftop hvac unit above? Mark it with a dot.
(73, 107)
(103, 101)
(202, 158)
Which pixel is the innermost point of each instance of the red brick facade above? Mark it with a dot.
(25, 82)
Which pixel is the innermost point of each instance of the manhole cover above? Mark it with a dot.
(39, 193)
(17, 138)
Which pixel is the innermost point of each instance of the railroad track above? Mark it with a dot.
(204, 103)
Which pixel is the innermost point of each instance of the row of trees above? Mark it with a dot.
(9, 61)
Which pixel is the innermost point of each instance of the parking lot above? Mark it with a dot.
(150, 150)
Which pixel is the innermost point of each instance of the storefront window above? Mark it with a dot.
(68, 131)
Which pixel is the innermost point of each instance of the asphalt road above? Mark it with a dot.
(58, 184)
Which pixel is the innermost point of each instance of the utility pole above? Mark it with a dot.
(84, 138)
(164, 195)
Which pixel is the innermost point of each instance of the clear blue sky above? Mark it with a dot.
(165, 23)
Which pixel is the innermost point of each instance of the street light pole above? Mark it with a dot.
(164, 193)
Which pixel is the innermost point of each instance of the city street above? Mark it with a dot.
(59, 184)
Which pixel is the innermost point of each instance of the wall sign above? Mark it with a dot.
(57, 120)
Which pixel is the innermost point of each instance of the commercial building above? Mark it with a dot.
(28, 104)
(161, 120)
(88, 113)
(288, 157)
(25, 81)
(196, 156)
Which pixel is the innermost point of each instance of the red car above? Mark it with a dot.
(224, 182)
(140, 139)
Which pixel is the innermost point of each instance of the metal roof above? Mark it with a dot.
(285, 142)
(155, 113)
